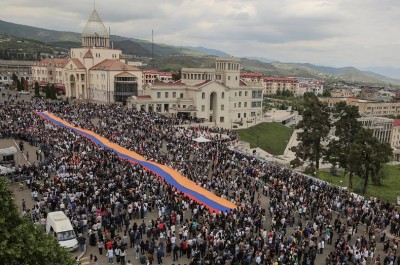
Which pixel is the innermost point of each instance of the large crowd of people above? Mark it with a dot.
(282, 217)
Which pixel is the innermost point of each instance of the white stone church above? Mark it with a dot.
(95, 71)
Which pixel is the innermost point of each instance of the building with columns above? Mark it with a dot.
(217, 95)
(20, 68)
(95, 71)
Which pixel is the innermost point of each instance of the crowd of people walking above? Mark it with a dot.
(282, 217)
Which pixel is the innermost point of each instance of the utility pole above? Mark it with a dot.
(152, 48)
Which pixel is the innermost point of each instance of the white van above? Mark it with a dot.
(60, 226)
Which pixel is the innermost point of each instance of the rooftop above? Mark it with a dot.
(113, 65)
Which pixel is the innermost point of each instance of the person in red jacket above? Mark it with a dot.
(109, 244)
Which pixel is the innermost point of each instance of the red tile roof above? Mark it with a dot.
(279, 79)
(396, 123)
(88, 54)
(113, 65)
(60, 62)
(78, 63)
(162, 84)
(150, 72)
(203, 83)
(250, 75)
(143, 97)
(241, 83)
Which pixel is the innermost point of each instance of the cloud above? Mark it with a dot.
(337, 32)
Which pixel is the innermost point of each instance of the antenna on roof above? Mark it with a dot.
(112, 43)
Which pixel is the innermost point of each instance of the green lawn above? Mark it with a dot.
(389, 190)
(272, 137)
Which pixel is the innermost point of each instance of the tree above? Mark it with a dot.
(21, 242)
(14, 78)
(24, 84)
(19, 85)
(367, 155)
(52, 92)
(176, 76)
(326, 93)
(287, 94)
(37, 89)
(315, 127)
(47, 91)
(346, 129)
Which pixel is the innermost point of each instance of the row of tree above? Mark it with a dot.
(20, 84)
(50, 91)
(350, 147)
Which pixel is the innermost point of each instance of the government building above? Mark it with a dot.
(217, 95)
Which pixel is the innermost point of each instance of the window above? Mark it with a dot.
(256, 104)
(174, 94)
(203, 107)
(229, 77)
(256, 94)
(158, 94)
(239, 115)
(223, 95)
(244, 115)
(203, 95)
(240, 93)
(222, 107)
(166, 94)
(221, 119)
(240, 104)
(245, 93)
(181, 95)
(234, 105)
(245, 104)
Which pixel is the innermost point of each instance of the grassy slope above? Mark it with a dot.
(273, 137)
(389, 190)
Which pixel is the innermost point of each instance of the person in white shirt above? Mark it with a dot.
(110, 255)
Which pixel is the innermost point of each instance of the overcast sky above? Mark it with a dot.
(359, 33)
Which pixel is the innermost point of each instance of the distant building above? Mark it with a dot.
(274, 84)
(151, 76)
(386, 130)
(381, 127)
(367, 107)
(20, 68)
(214, 94)
(312, 86)
(50, 71)
(343, 93)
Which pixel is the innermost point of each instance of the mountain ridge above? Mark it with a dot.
(144, 49)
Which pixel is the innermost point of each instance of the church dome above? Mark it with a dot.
(95, 33)
(95, 27)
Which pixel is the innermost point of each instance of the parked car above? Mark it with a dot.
(23, 92)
